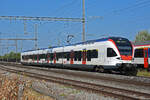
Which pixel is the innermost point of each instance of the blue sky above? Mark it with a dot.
(104, 18)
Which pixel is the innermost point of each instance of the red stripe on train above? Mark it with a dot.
(84, 57)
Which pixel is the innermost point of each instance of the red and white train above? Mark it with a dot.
(113, 53)
(142, 54)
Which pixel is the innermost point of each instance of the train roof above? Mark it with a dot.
(86, 42)
(141, 43)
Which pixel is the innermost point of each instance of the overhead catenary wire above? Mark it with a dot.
(64, 6)
(71, 10)
(135, 6)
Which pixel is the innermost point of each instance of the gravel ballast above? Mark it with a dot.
(57, 91)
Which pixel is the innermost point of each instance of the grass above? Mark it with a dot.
(143, 73)
(62, 94)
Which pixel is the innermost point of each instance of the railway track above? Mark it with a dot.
(130, 82)
(106, 90)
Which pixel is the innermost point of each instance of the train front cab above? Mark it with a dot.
(124, 56)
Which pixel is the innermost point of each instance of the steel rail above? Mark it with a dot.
(137, 83)
(106, 90)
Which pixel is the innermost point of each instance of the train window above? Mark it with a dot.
(44, 56)
(26, 57)
(47, 56)
(111, 52)
(51, 56)
(68, 56)
(35, 57)
(61, 55)
(23, 57)
(149, 52)
(54, 55)
(41, 56)
(94, 53)
(145, 53)
(75, 55)
(89, 55)
(72, 54)
(65, 55)
(30, 56)
(84, 55)
(57, 56)
(139, 53)
(79, 55)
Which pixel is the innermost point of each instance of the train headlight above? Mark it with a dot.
(119, 58)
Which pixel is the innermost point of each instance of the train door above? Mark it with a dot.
(48, 57)
(72, 57)
(102, 53)
(110, 56)
(145, 57)
(84, 56)
(37, 58)
(33, 58)
(149, 56)
(54, 57)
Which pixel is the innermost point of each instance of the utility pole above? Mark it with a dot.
(16, 46)
(7, 51)
(21, 45)
(25, 26)
(0, 43)
(83, 20)
(16, 49)
(36, 37)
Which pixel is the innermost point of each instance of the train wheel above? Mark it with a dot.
(96, 69)
(131, 72)
(122, 72)
(99, 69)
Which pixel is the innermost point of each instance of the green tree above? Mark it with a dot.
(142, 36)
(11, 56)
